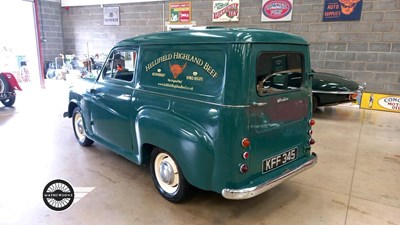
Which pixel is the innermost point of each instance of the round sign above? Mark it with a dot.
(277, 9)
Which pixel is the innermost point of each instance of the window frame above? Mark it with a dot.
(110, 72)
(272, 89)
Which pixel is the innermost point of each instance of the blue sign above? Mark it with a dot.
(340, 10)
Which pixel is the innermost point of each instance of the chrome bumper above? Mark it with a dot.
(250, 192)
(7, 95)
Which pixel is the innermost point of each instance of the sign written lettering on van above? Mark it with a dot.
(182, 56)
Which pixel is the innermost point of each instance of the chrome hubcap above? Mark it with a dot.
(166, 172)
(80, 127)
(80, 131)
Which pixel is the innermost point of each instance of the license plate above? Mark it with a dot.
(279, 160)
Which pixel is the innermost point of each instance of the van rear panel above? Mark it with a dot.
(278, 117)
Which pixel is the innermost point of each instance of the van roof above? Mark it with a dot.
(216, 35)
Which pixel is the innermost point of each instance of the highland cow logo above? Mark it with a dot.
(176, 69)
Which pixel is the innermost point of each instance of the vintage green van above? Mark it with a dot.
(225, 109)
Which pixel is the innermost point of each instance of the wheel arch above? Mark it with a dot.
(11, 81)
(71, 106)
(188, 143)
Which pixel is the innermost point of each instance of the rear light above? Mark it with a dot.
(245, 142)
(353, 97)
(245, 155)
(244, 168)
(311, 122)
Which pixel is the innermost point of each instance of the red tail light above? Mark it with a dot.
(311, 122)
(245, 155)
(244, 168)
(353, 96)
(245, 142)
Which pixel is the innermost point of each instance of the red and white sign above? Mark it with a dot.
(276, 10)
(225, 11)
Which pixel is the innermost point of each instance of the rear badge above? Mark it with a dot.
(282, 99)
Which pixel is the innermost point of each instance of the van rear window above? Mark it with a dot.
(278, 72)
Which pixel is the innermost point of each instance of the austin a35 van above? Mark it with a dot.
(226, 110)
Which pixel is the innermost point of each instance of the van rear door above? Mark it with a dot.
(281, 109)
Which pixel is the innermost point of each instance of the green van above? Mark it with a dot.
(224, 109)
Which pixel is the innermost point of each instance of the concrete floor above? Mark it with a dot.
(357, 179)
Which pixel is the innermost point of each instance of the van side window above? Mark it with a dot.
(278, 72)
(121, 65)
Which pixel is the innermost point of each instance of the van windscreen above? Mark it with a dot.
(278, 72)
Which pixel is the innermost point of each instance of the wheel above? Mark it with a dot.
(167, 176)
(4, 87)
(3, 84)
(79, 129)
(9, 102)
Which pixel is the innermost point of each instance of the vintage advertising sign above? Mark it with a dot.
(111, 16)
(180, 12)
(340, 10)
(276, 10)
(225, 11)
(382, 102)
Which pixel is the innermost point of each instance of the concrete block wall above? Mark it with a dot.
(84, 32)
(51, 29)
(366, 51)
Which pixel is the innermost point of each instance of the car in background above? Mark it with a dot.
(332, 89)
(8, 85)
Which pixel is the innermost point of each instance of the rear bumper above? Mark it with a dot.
(250, 192)
(6, 95)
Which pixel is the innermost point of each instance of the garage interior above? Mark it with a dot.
(356, 180)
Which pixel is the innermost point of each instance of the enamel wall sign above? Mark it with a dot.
(225, 11)
(276, 10)
(380, 102)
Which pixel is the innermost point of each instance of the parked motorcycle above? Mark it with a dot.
(8, 85)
